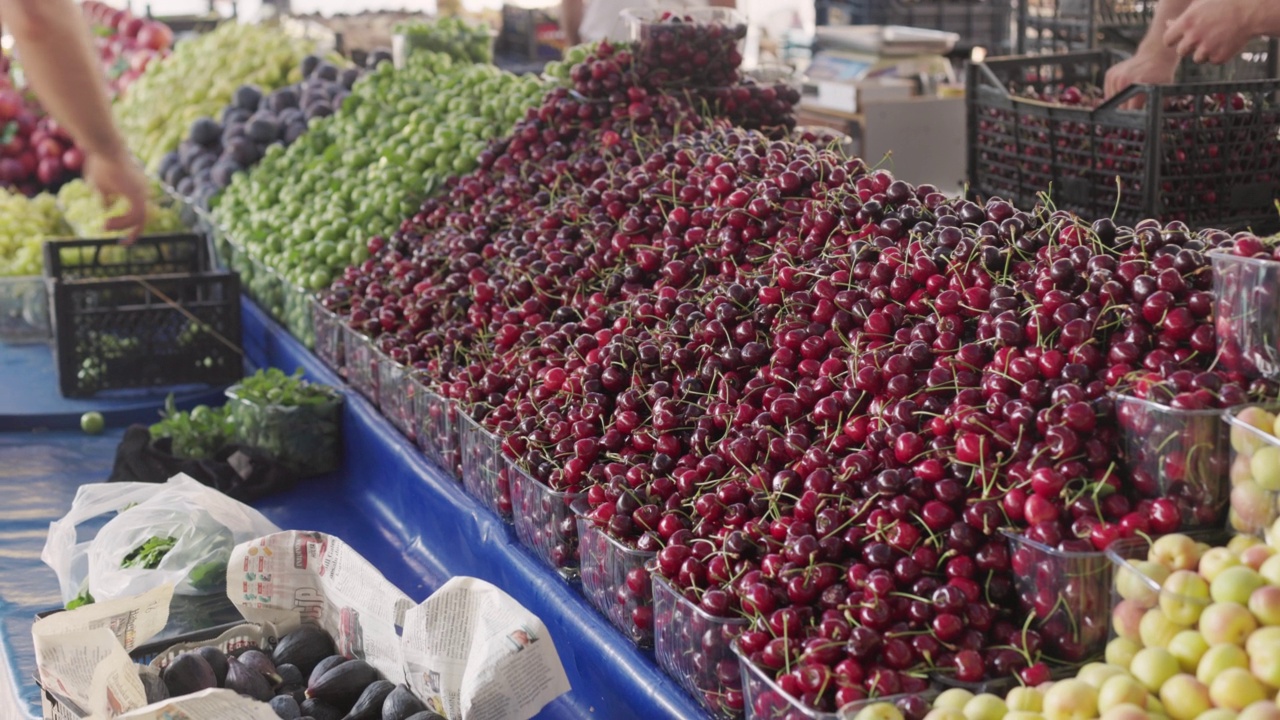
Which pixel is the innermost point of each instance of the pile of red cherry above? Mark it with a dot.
(818, 393)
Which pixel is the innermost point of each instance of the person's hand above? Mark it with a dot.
(1154, 67)
(1212, 30)
(117, 175)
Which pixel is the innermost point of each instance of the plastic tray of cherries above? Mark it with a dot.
(436, 419)
(329, 336)
(484, 472)
(1066, 591)
(686, 48)
(361, 362)
(1247, 307)
(693, 647)
(396, 397)
(614, 578)
(544, 520)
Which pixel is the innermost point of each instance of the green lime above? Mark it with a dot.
(92, 423)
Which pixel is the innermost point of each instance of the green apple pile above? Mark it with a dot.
(1197, 637)
(198, 80)
(452, 36)
(86, 213)
(308, 211)
(24, 225)
(1255, 470)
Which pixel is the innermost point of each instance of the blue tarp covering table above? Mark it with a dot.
(405, 515)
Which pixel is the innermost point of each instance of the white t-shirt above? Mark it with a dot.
(603, 18)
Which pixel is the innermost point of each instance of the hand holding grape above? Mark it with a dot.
(118, 175)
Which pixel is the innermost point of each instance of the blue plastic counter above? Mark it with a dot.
(407, 517)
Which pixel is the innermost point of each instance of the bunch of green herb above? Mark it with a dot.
(148, 555)
(273, 387)
(196, 435)
(295, 421)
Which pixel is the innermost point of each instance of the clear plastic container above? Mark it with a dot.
(436, 418)
(396, 397)
(1066, 594)
(1247, 314)
(1177, 454)
(687, 47)
(361, 362)
(307, 439)
(483, 466)
(1135, 592)
(1255, 476)
(262, 284)
(544, 520)
(694, 648)
(614, 579)
(24, 310)
(765, 700)
(824, 137)
(329, 336)
(297, 314)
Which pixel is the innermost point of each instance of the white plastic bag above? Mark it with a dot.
(205, 526)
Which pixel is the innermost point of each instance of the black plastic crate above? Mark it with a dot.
(146, 331)
(1179, 158)
(985, 23)
(78, 259)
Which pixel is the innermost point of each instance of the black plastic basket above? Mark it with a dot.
(984, 23)
(79, 259)
(1179, 158)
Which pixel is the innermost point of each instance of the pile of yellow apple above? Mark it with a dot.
(1255, 470)
(1197, 637)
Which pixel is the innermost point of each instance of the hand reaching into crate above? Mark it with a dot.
(1154, 66)
(1217, 30)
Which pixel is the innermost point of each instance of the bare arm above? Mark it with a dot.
(723, 3)
(1154, 62)
(1218, 30)
(571, 20)
(59, 59)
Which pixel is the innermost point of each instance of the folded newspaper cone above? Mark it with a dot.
(469, 651)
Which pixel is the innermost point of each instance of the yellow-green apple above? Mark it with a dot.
(1071, 700)
(1273, 533)
(1141, 581)
(1261, 710)
(1227, 622)
(1215, 560)
(1126, 619)
(1251, 508)
(1184, 596)
(1265, 466)
(944, 714)
(1152, 666)
(985, 707)
(953, 699)
(1217, 714)
(1263, 648)
(1025, 699)
(1188, 646)
(1219, 658)
(879, 711)
(1120, 651)
(1184, 697)
(1176, 552)
(1156, 629)
(1121, 689)
(1264, 603)
(1236, 689)
(1271, 570)
(1239, 543)
(1126, 712)
(1254, 555)
(1096, 673)
(1235, 584)
(1023, 715)
(1243, 440)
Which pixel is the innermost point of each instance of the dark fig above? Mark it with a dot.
(286, 707)
(342, 684)
(290, 675)
(325, 666)
(152, 684)
(304, 647)
(369, 704)
(426, 715)
(320, 710)
(217, 660)
(401, 704)
(188, 673)
(257, 660)
(247, 681)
